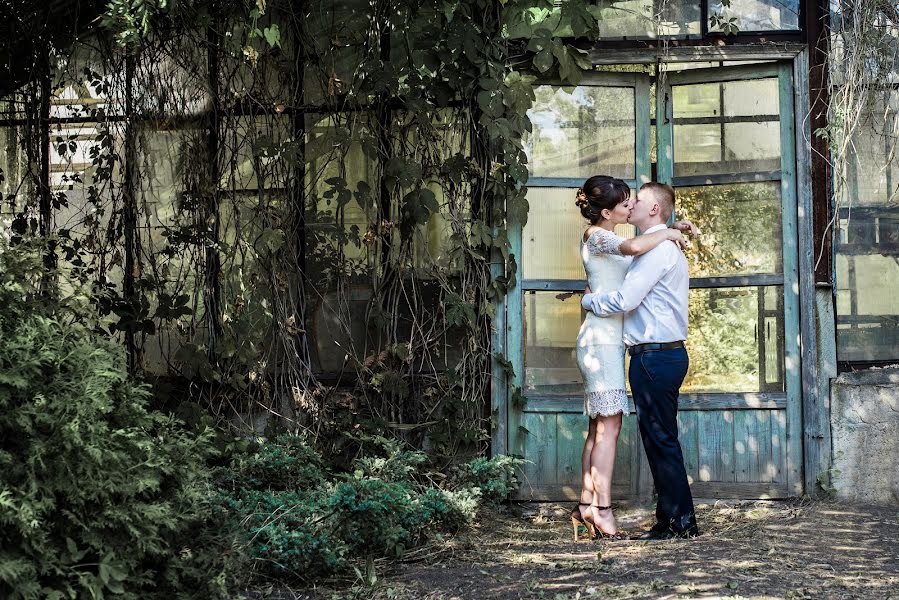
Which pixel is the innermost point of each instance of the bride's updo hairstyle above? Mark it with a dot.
(599, 193)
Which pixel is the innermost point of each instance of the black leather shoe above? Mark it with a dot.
(661, 531)
(654, 535)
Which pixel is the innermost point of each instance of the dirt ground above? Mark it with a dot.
(797, 550)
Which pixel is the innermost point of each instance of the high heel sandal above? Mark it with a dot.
(602, 535)
(577, 519)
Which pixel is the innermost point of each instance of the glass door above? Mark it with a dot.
(599, 127)
(724, 138)
(726, 144)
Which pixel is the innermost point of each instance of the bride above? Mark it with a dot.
(605, 202)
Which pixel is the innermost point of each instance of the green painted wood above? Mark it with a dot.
(664, 132)
(713, 490)
(752, 445)
(571, 432)
(792, 357)
(555, 492)
(688, 433)
(778, 424)
(540, 448)
(671, 53)
(566, 403)
(499, 405)
(719, 74)
(643, 130)
(815, 397)
(716, 446)
(515, 346)
(623, 454)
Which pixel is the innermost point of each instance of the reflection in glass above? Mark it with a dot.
(736, 340)
(728, 127)
(582, 131)
(648, 19)
(741, 228)
(757, 15)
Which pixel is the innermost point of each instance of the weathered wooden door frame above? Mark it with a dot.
(800, 355)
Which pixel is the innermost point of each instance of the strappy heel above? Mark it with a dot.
(577, 520)
(602, 535)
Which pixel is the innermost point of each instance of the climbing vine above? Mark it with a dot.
(300, 209)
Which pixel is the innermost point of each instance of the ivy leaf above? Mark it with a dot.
(272, 35)
(517, 208)
(271, 239)
(418, 206)
(543, 62)
(458, 311)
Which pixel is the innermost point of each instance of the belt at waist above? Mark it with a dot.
(653, 347)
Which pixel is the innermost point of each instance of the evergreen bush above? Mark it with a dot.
(99, 494)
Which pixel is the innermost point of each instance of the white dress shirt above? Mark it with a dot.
(653, 296)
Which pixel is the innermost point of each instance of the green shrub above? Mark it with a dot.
(496, 478)
(99, 494)
(285, 463)
(329, 522)
(392, 463)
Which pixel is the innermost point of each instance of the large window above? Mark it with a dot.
(867, 240)
(646, 19)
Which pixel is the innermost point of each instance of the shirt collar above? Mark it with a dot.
(655, 228)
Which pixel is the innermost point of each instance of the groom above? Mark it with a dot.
(653, 299)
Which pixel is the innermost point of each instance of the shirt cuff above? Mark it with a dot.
(587, 302)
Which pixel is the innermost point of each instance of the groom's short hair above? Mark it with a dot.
(664, 195)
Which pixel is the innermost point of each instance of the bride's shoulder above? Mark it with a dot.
(602, 241)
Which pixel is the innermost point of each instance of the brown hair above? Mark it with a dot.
(664, 195)
(600, 193)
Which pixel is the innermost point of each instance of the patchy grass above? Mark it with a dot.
(793, 550)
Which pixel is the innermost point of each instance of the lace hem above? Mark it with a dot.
(605, 403)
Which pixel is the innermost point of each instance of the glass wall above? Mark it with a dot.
(867, 240)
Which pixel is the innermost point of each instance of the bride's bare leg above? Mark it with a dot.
(602, 463)
(586, 457)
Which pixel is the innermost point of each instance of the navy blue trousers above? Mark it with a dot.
(655, 379)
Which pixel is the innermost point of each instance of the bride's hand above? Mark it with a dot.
(678, 238)
(686, 226)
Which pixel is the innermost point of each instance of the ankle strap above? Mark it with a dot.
(604, 507)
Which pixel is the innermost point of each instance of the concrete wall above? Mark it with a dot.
(865, 435)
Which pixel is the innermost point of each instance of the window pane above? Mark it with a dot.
(551, 238)
(867, 263)
(648, 19)
(728, 127)
(582, 131)
(741, 228)
(756, 15)
(551, 324)
(735, 340)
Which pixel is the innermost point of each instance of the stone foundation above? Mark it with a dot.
(865, 435)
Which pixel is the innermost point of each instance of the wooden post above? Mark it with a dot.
(787, 82)
(129, 216)
(815, 405)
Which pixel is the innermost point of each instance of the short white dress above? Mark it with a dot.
(600, 343)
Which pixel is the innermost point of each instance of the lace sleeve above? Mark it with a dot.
(603, 241)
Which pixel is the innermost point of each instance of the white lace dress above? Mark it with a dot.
(600, 345)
